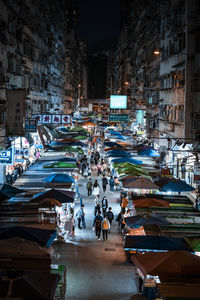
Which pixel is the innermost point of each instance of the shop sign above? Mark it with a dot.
(22, 152)
(52, 119)
(197, 173)
(30, 125)
(6, 156)
(15, 112)
(118, 118)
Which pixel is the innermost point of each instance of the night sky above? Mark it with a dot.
(99, 23)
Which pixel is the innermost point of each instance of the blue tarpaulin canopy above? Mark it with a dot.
(127, 159)
(59, 178)
(10, 190)
(149, 152)
(67, 159)
(44, 237)
(177, 186)
(145, 242)
(112, 144)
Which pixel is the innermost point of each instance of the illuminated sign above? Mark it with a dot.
(118, 102)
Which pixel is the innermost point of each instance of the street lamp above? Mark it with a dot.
(156, 52)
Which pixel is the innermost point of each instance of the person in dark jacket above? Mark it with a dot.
(110, 216)
(104, 205)
(97, 225)
(104, 183)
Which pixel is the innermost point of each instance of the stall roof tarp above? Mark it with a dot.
(147, 219)
(31, 285)
(171, 263)
(139, 183)
(61, 196)
(10, 191)
(149, 152)
(59, 178)
(150, 202)
(43, 237)
(180, 291)
(126, 159)
(155, 243)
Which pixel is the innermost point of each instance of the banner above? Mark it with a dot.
(15, 112)
(52, 119)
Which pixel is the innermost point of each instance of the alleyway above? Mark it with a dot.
(97, 269)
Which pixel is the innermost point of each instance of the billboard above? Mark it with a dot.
(118, 102)
(15, 112)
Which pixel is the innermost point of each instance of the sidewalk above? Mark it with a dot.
(96, 269)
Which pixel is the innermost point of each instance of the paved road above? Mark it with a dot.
(95, 269)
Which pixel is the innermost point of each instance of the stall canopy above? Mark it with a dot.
(168, 264)
(61, 196)
(149, 202)
(173, 185)
(149, 152)
(126, 159)
(140, 183)
(146, 219)
(43, 237)
(29, 285)
(183, 291)
(143, 242)
(48, 202)
(59, 178)
(67, 159)
(10, 190)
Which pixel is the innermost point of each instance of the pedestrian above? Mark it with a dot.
(98, 169)
(80, 214)
(97, 205)
(110, 216)
(97, 225)
(104, 205)
(85, 172)
(89, 171)
(96, 188)
(124, 204)
(112, 183)
(89, 187)
(104, 183)
(105, 225)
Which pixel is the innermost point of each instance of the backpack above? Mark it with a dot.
(89, 185)
(110, 215)
(98, 222)
(105, 225)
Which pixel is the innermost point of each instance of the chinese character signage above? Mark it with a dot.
(52, 119)
(15, 112)
(22, 152)
(118, 118)
(31, 125)
(6, 156)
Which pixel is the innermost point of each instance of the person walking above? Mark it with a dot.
(80, 214)
(112, 183)
(110, 216)
(97, 225)
(105, 225)
(98, 169)
(89, 187)
(97, 205)
(96, 188)
(104, 205)
(104, 183)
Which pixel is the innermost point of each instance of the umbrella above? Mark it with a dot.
(149, 202)
(149, 152)
(170, 264)
(140, 183)
(49, 202)
(146, 219)
(127, 159)
(59, 178)
(173, 185)
(44, 237)
(10, 190)
(150, 242)
(61, 196)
